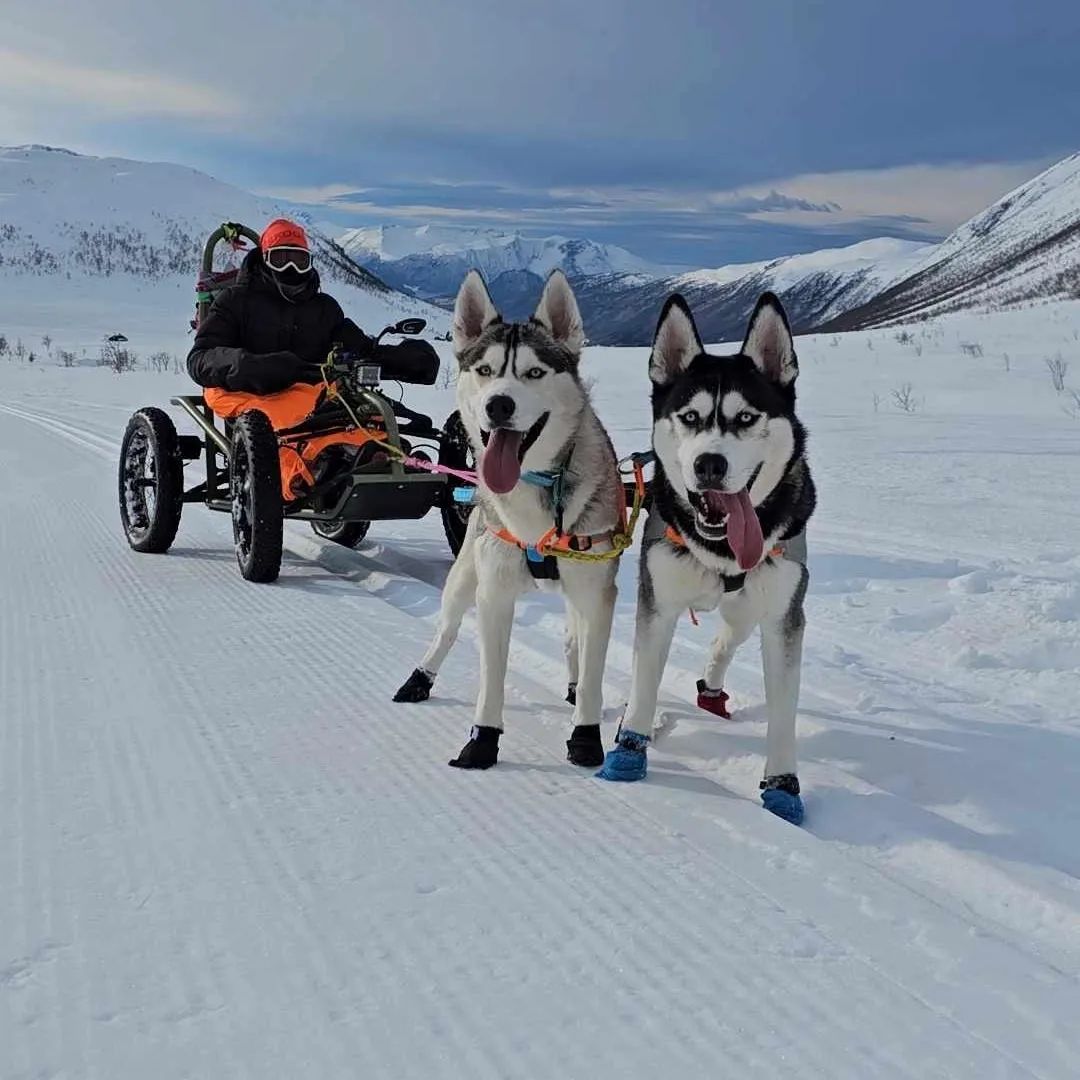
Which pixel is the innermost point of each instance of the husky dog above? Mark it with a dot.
(731, 497)
(545, 463)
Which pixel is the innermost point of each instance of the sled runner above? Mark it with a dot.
(339, 454)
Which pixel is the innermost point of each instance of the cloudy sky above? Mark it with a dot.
(694, 132)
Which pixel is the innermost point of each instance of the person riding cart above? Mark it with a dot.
(308, 435)
(273, 328)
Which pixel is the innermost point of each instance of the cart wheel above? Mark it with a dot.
(347, 533)
(455, 452)
(151, 481)
(255, 487)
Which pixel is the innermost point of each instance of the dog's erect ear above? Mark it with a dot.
(676, 342)
(768, 341)
(558, 312)
(473, 311)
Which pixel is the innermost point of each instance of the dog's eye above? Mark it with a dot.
(745, 418)
(484, 370)
(691, 417)
(535, 373)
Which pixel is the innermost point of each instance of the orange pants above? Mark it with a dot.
(287, 409)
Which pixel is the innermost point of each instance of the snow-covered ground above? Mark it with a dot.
(224, 852)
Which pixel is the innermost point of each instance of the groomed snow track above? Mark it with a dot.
(225, 853)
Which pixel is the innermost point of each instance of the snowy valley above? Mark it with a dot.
(275, 873)
(225, 853)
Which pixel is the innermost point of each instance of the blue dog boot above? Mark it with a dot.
(628, 760)
(780, 796)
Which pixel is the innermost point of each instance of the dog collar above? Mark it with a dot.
(546, 478)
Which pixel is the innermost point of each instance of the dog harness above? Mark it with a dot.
(793, 548)
(557, 544)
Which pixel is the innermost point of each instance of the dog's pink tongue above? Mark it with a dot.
(499, 467)
(743, 529)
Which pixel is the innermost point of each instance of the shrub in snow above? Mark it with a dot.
(1058, 367)
(904, 398)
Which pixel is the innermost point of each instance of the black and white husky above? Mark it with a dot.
(545, 461)
(731, 498)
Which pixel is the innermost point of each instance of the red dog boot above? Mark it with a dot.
(714, 701)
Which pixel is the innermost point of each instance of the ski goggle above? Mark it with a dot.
(281, 258)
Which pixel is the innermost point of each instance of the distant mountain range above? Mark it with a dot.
(814, 288)
(66, 216)
(431, 261)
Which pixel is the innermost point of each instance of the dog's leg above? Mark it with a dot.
(592, 602)
(737, 622)
(458, 596)
(652, 643)
(571, 648)
(781, 650)
(495, 618)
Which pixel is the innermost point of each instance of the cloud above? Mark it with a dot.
(39, 81)
(769, 203)
(911, 200)
(319, 195)
(931, 199)
(691, 226)
(589, 119)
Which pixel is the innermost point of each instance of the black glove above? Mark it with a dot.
(411, 361)
(267, 373)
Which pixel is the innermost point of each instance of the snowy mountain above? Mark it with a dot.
(431, 261)
(619, 292)
(73, 225)
(814, 287)
(93, 231)
(1025, 246)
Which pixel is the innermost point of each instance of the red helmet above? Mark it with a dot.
(283, 233)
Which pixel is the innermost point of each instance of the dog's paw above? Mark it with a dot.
(713, 701)
(571, 693)
(585, 747)
(417, 687)
(628, 761)
(780, 796)
(481, 751)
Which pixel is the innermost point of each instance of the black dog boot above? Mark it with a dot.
(584, 747)
(481, 751)
(417, 687)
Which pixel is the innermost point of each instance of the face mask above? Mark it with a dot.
(291, 284)
(290, 277)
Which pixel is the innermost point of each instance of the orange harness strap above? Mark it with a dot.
(553, 543)
(567, 545)
(675, 537)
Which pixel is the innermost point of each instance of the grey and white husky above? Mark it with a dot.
(732, 494)
(545, 462)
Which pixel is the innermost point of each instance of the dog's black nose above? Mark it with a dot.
(710, 469)
(500, 408)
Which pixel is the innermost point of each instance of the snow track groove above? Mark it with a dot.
(225, 853)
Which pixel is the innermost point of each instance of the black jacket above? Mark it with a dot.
(254, 339)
